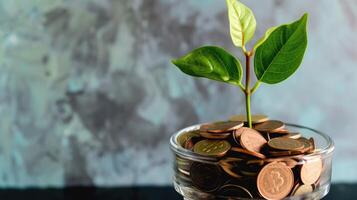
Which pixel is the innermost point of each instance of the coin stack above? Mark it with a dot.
(259, 162)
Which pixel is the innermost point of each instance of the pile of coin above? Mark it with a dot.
(258, 162)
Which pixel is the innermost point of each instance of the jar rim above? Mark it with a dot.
(185, 153)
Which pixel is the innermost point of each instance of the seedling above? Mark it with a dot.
(277, 55)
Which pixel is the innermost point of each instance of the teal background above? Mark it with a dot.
(88, 95)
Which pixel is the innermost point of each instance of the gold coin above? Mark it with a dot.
(310, 172)
(255, 118)
(215, 148)
(251, 139)
(182, 138)
(302, 189)
(285, 143)
(269, 126)
(275, 181)
(219, 127)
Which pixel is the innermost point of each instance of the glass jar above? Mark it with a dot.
(201, 177)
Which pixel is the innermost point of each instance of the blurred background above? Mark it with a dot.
(88, 95)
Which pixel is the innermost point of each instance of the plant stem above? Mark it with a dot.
(247, 91)
(257, 84)
(241, 87)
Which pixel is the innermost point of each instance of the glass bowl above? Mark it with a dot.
(202, 177)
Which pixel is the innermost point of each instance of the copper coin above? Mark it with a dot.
(236, 135)
(268, 136)
(269, 126)
(219, 127)
(205, 177)
(248, 173)
(310, 172)
(183, 137)
(251, 168)
(285, 143)
(214, 148)
(211, 135)
(297, 184)
(317, 183)
(289, 162)
(230, 166)
(279, 153)
(233, 190)
(293, 135)
(249, 153)
(280, 131)
(275, 181)
(190, 142)
(302, 189)
(255, 118)
(230, 160)
(251, 139)
(307, 145)
(312, 141)
(231, 170)
(255, 162)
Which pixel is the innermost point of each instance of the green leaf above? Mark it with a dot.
(241, 21)
(279, 56)
(213, 63)
(266, 35)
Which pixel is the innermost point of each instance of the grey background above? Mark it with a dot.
(88, 94)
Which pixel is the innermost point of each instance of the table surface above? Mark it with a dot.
(337, 192)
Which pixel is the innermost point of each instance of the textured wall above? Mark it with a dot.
(88, 94)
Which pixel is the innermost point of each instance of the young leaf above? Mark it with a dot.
(241, 21)
(213, 63)
(279, 56)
